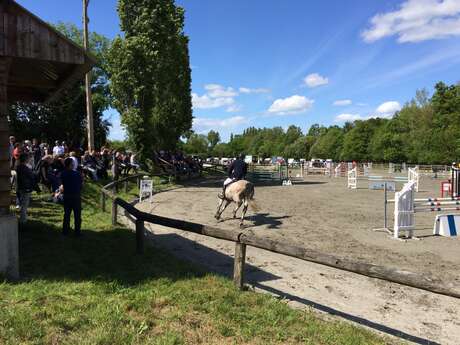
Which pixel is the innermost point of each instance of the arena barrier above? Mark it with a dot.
(406, 206)
(447, 225)
(327, 171)
(260, 176)
(341, 170)
(382, 182)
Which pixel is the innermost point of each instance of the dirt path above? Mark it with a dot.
(323, 215)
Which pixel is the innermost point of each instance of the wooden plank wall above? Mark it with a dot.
(5, 174)
(24, 35)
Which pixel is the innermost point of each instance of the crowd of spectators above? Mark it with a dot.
(47, 162)
(177, 163)
(33, 163)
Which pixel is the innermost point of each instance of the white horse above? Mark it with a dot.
(241, 193)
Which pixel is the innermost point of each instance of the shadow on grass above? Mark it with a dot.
(97, 255)
(107, 254)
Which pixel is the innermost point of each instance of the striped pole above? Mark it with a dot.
(436, 209)
(440, 203)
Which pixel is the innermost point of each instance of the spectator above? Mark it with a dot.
(58, 149)
(71, 187)
(73, 157)
(89, 165)
(36, 152)
(134, 163)
(25, 186)
(17, 151)
(105, 157)
(11, 149)
(116, 165)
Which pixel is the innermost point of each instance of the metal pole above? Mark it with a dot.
(385, 206)
(89, 103)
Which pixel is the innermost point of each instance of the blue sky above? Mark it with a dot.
(271, 63)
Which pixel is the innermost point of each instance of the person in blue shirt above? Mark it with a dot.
(71, 187)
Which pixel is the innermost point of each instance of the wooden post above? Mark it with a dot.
(89, 102)
(139, 236)
(114, 212)
(238, 267)
(103, 197)
(5, 173)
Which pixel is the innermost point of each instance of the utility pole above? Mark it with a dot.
(89, 103)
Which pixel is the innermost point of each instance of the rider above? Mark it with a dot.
(236, 171)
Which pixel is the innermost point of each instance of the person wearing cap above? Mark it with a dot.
(236, 171)
(71, 187)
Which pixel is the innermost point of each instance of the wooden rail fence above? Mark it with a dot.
(243, 239)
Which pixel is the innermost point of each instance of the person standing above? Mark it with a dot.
(25, 186)
(10, 150)
(37, 152)
(71, 187)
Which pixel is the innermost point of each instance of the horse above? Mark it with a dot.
(241, 193)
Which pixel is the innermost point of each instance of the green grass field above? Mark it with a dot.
(96, 290)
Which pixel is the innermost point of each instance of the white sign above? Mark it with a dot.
(146, 188)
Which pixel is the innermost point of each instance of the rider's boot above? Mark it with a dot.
(221, 195)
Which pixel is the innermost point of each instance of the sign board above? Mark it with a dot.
(145, 188)
(248, 159)
(377, 185)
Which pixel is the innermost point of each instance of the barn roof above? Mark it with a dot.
(42, 61)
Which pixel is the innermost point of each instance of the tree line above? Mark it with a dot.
(425, 131)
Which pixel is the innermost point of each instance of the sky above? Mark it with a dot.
(268, 63)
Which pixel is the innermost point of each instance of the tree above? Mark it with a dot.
(65, 119)
(329, 144)
(213, 139)
(197, 144)
(150, 74)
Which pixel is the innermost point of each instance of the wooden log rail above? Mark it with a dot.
(243, 239)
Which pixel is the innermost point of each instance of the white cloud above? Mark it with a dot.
(248, 90)
(384, 110)
(342, 102)
(207, 102)
(417, 20)
(388, 109)
(314, 80)
(348, 118)
(219, 91)
(202, 124)
(234, 108)
(291, 105)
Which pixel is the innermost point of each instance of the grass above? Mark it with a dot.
(96, 290)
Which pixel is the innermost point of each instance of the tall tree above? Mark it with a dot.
(213, 139)
(150, 74)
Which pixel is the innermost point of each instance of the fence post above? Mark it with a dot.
(139, 236)
(126, 186)
(238, 267)
(114, 212)
(103, 201)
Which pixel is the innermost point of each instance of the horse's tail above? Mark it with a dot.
(250, 198)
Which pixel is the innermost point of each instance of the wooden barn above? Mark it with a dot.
(36, 64)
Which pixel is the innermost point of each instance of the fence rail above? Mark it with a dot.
(243, 239)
